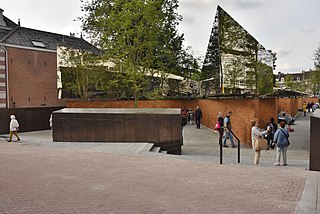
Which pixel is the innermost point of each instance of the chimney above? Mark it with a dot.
(2, 23)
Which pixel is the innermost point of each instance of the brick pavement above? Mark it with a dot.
(40, 178)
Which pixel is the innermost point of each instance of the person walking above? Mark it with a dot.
(198, 116)
(220, 121)
(281, 140)
(14, 126)
(184, 116)
(50, 121)
(228, 134)
(304, 108)
(271, 128)
(309, 106)
(190, 116)
(256, 133)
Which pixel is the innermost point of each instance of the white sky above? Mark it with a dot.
(289, 27)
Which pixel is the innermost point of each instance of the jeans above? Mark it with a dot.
(282, 151)
(225, 138)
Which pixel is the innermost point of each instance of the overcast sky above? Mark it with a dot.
(289, 27)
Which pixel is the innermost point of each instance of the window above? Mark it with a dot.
(38, 44)
(298, 79)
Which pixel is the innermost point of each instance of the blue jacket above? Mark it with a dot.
(280, 137)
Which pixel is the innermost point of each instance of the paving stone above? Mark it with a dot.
(40, 176)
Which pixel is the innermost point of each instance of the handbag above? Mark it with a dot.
(217, 126)
(260, 144)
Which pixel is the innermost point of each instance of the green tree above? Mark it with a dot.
(81, 71)
(265, 79)
(139, 34)
(317, 58)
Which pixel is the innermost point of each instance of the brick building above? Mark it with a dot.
(29, 65)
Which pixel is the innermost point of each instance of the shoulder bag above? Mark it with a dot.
(260, 144)
(217, 126)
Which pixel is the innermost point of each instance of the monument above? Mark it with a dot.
(314, 158)
(160, 126)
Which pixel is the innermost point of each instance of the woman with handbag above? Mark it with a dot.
(281, 139)
(255, 135)
(218, 126)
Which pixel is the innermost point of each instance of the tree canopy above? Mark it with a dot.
(317, 58)
(140, 35)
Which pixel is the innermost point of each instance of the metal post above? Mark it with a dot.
(238, 143)
(220, 143)
(238, 151)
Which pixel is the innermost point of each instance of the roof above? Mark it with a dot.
(26, 37)
(9, 22)
(5, 30)
(288, 93)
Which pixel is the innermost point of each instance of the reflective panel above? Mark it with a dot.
(235, 61)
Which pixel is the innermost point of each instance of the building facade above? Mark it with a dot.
(304, 81)
(29, 65)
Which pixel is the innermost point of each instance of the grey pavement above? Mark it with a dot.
(41, 176)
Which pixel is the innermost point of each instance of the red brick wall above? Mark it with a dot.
(289, 105)
(32, 78)
(307, 100)
(242, 113)
(244, 110)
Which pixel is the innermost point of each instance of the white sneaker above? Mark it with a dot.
(277, 164)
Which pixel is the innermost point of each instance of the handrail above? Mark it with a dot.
(220, 142)
(238, 143)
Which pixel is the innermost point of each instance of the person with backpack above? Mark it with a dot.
(271, 128)
(14, 126)
(281, 140)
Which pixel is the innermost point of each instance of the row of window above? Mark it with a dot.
(29, 99)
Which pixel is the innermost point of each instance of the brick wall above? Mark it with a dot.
(307, 100)
(289, 105)
(32, 78)
(244, 110)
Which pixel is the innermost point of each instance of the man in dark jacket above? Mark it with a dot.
(271, 128)
(198, 116)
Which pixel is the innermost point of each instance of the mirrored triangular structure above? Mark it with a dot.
(235, 61)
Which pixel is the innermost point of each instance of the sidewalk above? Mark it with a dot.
(41, 176)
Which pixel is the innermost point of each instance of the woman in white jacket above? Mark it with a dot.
(14, 125)
(255, 133)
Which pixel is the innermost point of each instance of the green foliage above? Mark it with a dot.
(80, 72)
(317, 58)
(265, 79)
(139, 34)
